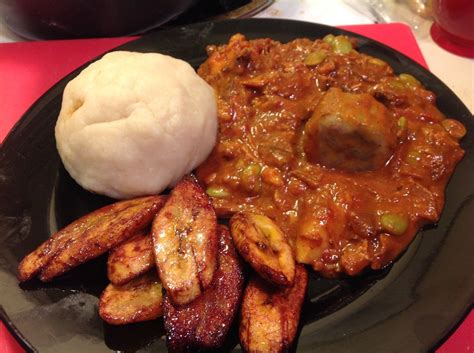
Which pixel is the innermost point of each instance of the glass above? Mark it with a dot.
(415, 13)
(453, 27)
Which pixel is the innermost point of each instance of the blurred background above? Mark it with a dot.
(444, 29)
(47, 19)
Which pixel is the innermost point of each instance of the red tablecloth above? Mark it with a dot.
(28, 69)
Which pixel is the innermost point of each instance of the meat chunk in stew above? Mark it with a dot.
(352, 132)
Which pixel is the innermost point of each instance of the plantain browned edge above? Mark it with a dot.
(138, 300)
(270, 315)
(185, 242)
(273, 276)
(205, 257)
(96, 241)
(35, 261)
(130, 259)
(242, 226)
(205, 322)
(263, 270)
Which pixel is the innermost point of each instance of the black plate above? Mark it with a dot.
(408, 307)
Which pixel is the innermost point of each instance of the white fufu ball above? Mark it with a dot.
(133, 124)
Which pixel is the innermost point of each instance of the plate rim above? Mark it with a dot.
(5, 145)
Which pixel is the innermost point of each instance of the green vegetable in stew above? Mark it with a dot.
(402, 123)
(342, 45)
(409, 80)
(394, 223)
(251, 170)
(413, 156)
(250, 177)
(217, 192)
(315, 58)
(329, 38)
(378, 62)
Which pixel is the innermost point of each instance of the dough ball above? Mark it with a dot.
(133, 124)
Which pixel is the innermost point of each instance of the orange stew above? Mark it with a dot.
(347, 157)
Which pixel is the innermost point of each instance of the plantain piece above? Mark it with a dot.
(130, 259)
(204, 323)
(270, 315)
(185, 242)
(103, 236)
(34, 262)
(140, 299)
(264, 246)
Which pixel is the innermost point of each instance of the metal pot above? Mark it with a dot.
(48, 19)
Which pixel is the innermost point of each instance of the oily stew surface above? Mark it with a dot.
(347, 157)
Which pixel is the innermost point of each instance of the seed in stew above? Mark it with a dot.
(348, 157)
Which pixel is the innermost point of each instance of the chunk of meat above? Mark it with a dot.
(333, 141)
(351, 132)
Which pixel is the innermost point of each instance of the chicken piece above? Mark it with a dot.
(204, 323)
(89, 236)
(139, 300)
(130, 259)
(351, 132)
(264, 246)
(270, 315)
(185, 242)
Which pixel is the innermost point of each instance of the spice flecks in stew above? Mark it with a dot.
(349, 158)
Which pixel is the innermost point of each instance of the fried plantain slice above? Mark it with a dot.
(138, 300)
(204, 323)
(34, 262)
(130, 259)
(270, 314)
(103, 236)
(264, 246)
(185, 242)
